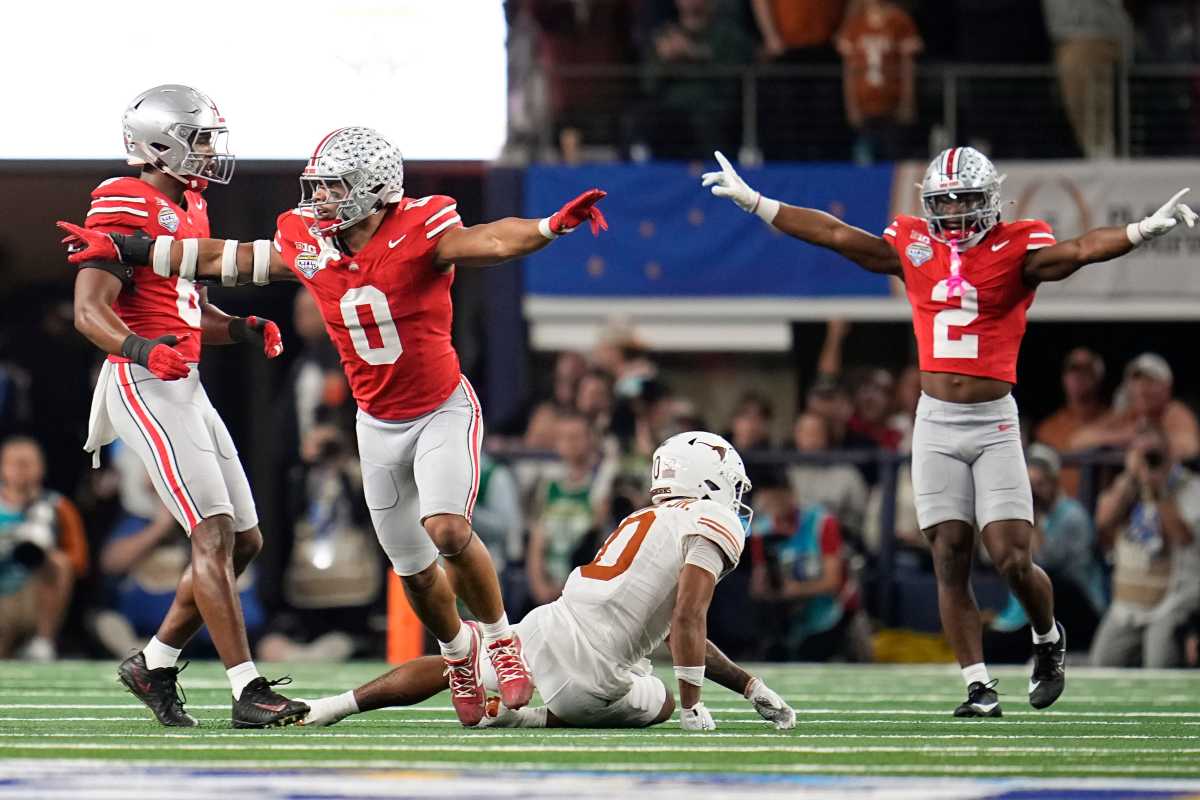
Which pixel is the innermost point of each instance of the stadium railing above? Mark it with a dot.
(788, 111)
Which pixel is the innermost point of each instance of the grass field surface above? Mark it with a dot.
(61, 723)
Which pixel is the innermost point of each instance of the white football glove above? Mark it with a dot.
(1162, 221)
(770, 706)
(696, 718)
(727, 183)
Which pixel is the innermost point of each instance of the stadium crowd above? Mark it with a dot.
(835, 79)
(1117, 515)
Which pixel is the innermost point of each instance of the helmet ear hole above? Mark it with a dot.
(711, 485)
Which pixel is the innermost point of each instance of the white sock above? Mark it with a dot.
(240, 676)
(975, 673)
(460, 646)
(495, 630)
(159, 655)
(1046, 638)
(347, 703)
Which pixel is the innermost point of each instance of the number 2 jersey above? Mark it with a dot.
(153, 306)
(980, 332)
(616, 610)
(387, 308)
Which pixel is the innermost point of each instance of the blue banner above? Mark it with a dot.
(669, 236)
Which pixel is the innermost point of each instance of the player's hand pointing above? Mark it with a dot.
(727, 183)
(573, 214)
(770, 706)
(87, 245)
(1163, 220)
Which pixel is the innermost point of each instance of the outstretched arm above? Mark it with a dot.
(227, 260)
(1064, 259)
(869, 251)
(513, 237)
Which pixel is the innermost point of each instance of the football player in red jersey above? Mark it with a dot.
(149, 394)
(970, 279)
(380, 266)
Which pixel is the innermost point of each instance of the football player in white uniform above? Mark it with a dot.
(588, 650)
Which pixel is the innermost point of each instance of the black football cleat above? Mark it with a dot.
(158, 689)
(981, 701)
(1049, 671)
(261, 707)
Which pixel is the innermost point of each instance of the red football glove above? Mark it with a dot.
(581, 208)
(87, 245)
(257, 329)
(165, 361)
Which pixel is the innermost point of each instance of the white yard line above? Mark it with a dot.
(318, 734)
(642, 768)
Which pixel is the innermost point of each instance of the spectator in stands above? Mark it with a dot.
(315, 376)
(333, 573)
(498, 518)
(693, 115)
(1149, 520)
(1065, 547)
(43, 551)
(750, 431)
(878, 43)
(1082, 380)
(800, 570)
(563, 527)
(904, 408)
(569, 369)
(1089, 44)
(1144, 398)
(594, 400)
(830, 399)
(838, 487)
(873, 396)
(800, 116)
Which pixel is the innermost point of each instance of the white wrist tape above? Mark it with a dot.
(187, 267)
(1134, 231)
(262, 262)
(229, 272)
(692, 675)
(766, 209)
(751, 688)
(162, 256)
(544, 228)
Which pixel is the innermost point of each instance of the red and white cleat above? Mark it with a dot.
(466, 683)
(516, 685)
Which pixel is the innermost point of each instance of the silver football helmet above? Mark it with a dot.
(961, 196)
(356, 169)
(701, 465)
(178, 130)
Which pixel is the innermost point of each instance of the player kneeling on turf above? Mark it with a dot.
(588, 650)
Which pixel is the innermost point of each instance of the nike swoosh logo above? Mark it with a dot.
(984, 707)
(393, 242)
(1005, 426)
(275, 708)
(1033, 685)
(996, 247)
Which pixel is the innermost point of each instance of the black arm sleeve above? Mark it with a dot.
(122, 272)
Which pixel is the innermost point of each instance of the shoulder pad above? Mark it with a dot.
(435, 213)
(119, 203)
(719, 525)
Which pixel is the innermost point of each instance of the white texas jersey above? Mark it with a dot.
(623, 600)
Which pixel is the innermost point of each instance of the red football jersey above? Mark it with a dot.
(980, 332)
(387, 308)
(153, 306)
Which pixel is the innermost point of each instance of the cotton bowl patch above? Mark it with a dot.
(918, 253)
(168, 219)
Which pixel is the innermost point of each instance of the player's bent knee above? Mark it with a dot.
(421, 582)
(668, 708)
(213, 539)
(450, 533)
(246, 547)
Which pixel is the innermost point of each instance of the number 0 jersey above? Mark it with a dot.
(980, 332)
(623, 600)
(153, 306)
(387, 308)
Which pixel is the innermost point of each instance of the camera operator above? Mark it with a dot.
(42, 551)
(1148, 520)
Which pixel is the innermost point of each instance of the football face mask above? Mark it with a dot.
(958, 215)
(208, 155)
(330, 200)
